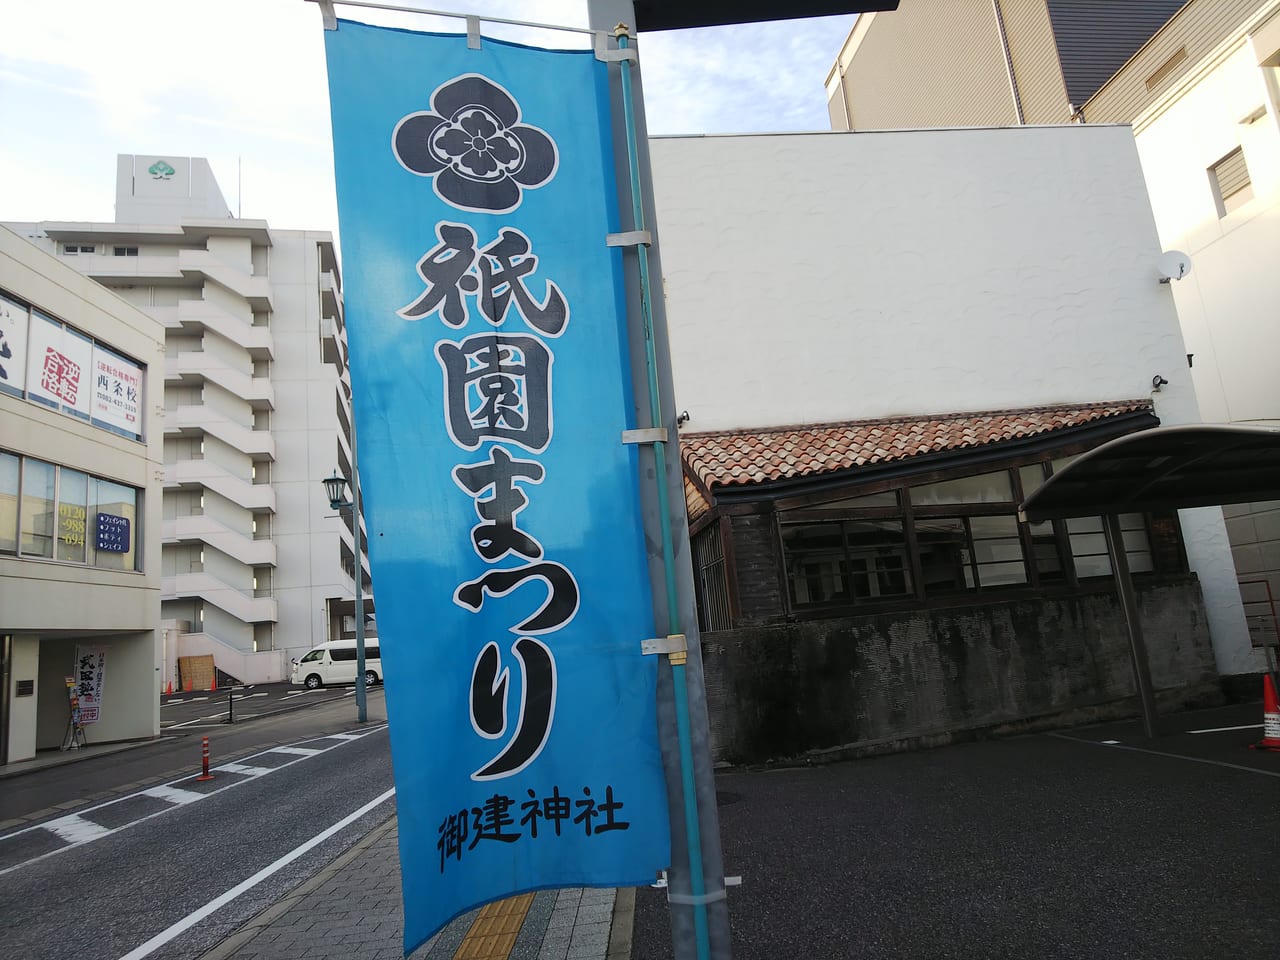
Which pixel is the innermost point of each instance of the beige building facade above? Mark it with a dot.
(255, 567)
(81, 473)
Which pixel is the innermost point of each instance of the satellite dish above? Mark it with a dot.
(1174, 265)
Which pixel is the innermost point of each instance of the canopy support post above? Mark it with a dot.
(1129, 604)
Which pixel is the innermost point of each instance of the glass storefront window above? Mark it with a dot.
(8, 503)
(73, 514)
(115, 525)
(37, 508)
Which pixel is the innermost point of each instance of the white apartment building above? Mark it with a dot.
(81, 467)
(256, 412)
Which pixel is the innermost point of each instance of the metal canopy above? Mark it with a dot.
(1164, 468)
(679, 14)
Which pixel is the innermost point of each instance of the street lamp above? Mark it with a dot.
(334, 488)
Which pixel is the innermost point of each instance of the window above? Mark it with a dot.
(8, 503)
(71, 249)
(342, 654)
(1089, 545)
(845, 561)
(313, 656)
(1229, 178)
(115, 517)
(50, 512)
(962, 535)
(73, 513)
(125, 251)
(712, 588)
(37, 508)
(46, 361)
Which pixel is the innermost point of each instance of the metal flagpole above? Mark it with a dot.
(699, 913)
(677, 660)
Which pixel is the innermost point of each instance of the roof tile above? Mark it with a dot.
(757, 456)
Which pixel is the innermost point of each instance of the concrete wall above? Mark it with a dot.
(825, 277)
(869, 682)
(23, 711)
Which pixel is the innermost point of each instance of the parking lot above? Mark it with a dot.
(1091, 842)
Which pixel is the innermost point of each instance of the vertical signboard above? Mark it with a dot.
(91, 669)
(489, 371)
(117, 390)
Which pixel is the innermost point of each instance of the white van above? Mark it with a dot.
(335, 662)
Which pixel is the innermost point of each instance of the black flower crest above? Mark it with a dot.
(472, 143)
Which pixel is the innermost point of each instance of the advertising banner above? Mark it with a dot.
(490, 375)
(13, 345)
(60, 365)
(91, 668)
(117, 390)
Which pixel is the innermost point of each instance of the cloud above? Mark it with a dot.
(243, 83)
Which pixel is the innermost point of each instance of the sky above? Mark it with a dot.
(243, 83)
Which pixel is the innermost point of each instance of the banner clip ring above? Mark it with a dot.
(673, 645)
(630, 238)
(473, 33)
(647, 435)
(614, 55)
(329, 14)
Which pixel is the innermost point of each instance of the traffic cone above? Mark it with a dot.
(214, 684)
(189, 685)
(1270, 716)
(168, 690)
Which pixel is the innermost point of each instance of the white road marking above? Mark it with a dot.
(173, 794)
(160, 939)
(1172, 756)
(172, 702)
(195, 699)
(1111, 743)
(1244, 726)
(242, 769)
(299, 751)
(76, 829)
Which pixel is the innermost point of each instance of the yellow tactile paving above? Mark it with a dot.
(493, 933)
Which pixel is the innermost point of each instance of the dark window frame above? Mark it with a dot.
(809, 509)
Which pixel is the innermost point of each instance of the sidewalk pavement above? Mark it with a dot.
(351, 910)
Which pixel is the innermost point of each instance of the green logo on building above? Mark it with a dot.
(160, 170)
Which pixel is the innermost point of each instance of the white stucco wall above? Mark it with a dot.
(1228, 302)
(824, 277)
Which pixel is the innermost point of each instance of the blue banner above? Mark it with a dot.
(486, 322)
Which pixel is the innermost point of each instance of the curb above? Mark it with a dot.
(256, 925)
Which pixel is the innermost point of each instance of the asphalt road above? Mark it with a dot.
(1035, 847)
(149, 860)
(178, 751)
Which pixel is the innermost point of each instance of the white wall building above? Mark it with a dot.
(256, 411)
(81, 465)
(1209, 140)
(820, 278)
